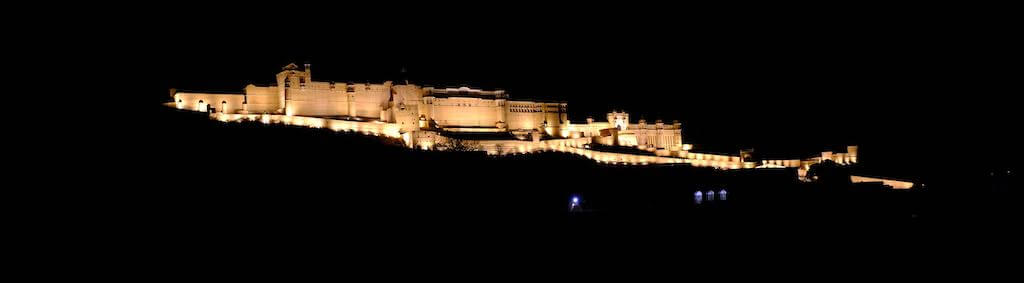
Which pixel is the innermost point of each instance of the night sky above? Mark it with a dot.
(927, 91)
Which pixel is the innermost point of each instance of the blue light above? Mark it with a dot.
(575, 200)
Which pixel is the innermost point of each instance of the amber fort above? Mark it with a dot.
(463, 118)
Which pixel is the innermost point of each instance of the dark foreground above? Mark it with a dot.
(247, 187)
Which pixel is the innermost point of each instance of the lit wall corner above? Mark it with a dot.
(289, 111)
(407, 138)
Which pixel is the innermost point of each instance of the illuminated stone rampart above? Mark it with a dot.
(420, 117)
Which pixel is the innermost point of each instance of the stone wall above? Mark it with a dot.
(261, 99)
(465, 112)
(338, 99)
(375, 128)
(715, 160)
(895, 184)
(195, 101)
(411, 113)
(430, 139)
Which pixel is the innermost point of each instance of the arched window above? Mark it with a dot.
(201, 106)
(698, 197)
(722, 194)
(710, 195)
(224, 106)
(179, 104)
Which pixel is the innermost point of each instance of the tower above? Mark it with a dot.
(851, 152)
(618, 119)
(290, 76)
(501, 108)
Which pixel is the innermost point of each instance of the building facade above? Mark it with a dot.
(431, 118)
(417, 108)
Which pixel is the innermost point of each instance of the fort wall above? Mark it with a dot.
(430, 139)
(895, 184)
(217, 102)
(375, 128)
(466, 112)
(530, 115)
(261, 99)
(418, 116)
(338, 99)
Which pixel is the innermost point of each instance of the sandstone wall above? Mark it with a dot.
(261, 99)
(465, 112)
(195, 101)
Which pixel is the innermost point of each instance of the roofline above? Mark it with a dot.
(177, 91)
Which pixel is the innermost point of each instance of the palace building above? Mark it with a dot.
(415, 108)
(486, 120)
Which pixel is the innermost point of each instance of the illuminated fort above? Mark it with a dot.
(468, 119)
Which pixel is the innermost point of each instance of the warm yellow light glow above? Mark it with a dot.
(895, 184)
(400, 111)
